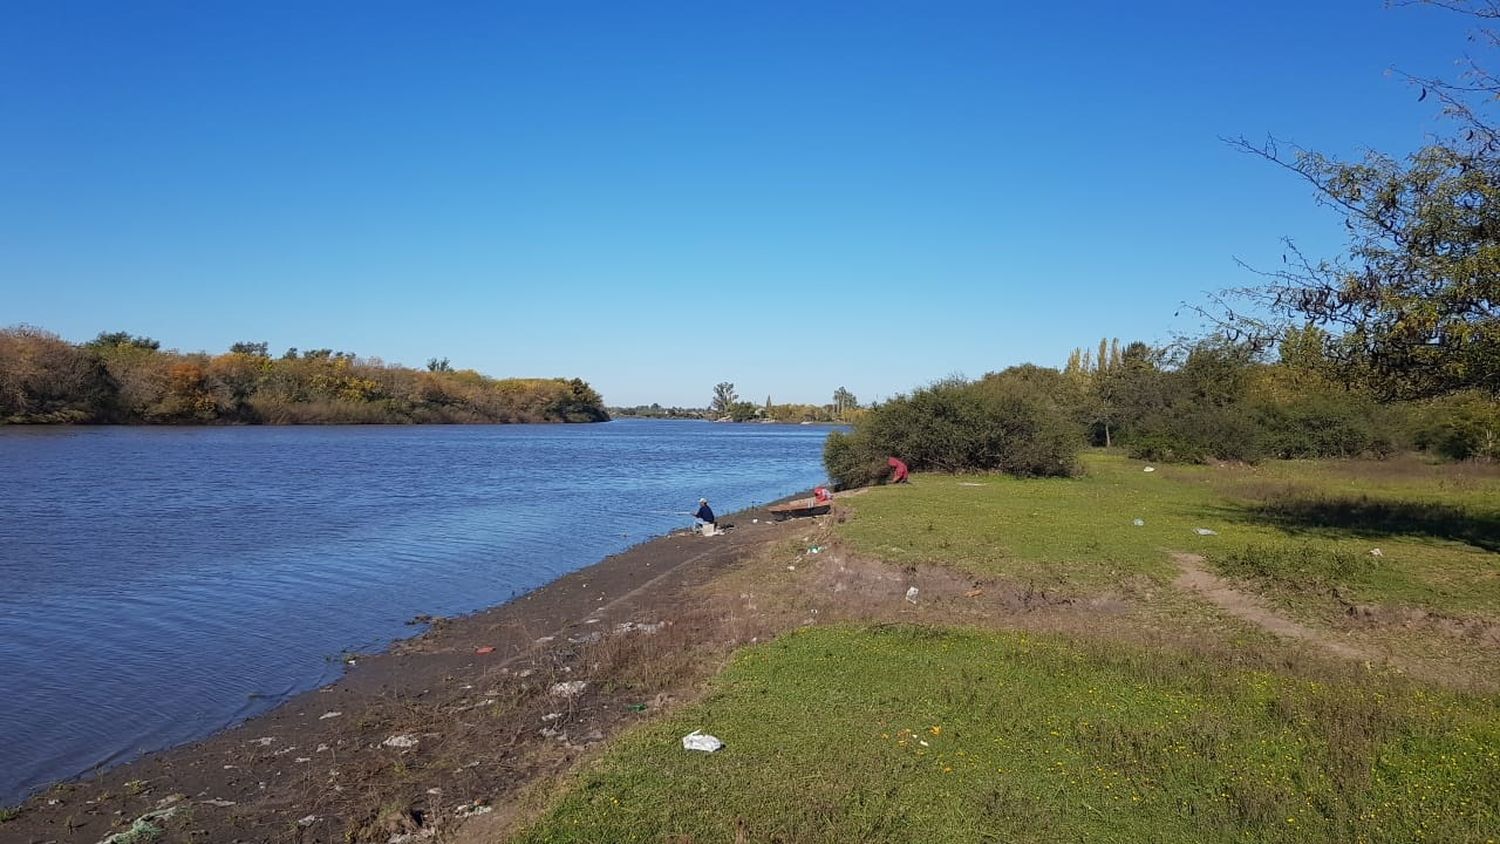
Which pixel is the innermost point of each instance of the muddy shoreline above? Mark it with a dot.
(319, 766)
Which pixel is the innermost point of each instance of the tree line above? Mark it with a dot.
(1213, 399)
(121, 378)
(1393, 344)
(726, 404)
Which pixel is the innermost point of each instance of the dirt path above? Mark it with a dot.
(1195, 577)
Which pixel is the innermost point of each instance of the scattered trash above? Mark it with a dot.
(911, 594)
(484, 649)
(1149, 469)
(1205, 532)
(469, 810)
(816, 549)
(322, 748)
(698, 741)
(401, 741)
(570, 688)
(636, 707)
(755, 521)
(1139, 522)
(302, 759)
(923, 742)
(791, 568)
(326, 715)
(308, 821)
(1375, 552)
(552, 716)
(640, 627)
(143, 829)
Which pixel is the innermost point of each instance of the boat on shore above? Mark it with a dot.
(800, 508)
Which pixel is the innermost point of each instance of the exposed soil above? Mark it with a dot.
(1194, 577)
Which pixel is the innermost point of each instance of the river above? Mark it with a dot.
(163, 583)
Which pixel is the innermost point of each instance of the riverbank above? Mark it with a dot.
(446, 720)
(956, 658)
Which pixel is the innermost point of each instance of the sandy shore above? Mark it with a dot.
(451, 724)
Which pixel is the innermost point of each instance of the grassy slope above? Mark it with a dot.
(1043, 739)
(1036, 739)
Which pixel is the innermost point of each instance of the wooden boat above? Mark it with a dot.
(800, 508)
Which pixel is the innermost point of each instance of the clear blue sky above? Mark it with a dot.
(660, 196)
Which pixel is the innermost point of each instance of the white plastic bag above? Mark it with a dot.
(698, 741)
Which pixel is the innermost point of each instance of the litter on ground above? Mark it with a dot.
(400, 741)
(1139, 522)
(1205, 532)
(911, 594)
(569, 688)
(698, 741)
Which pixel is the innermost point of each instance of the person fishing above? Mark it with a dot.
(705, 514)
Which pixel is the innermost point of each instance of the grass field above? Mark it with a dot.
(860, 732)
(1299, 526)
(909, 734)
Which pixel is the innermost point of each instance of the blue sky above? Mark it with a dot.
(660, 196)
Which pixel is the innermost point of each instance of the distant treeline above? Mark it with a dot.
(1211, 400)
(742, 412)
(120, 378)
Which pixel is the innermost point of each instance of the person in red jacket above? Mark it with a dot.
(899, 475)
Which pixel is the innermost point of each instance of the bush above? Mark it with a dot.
(998, 424)
(1331, 424)
(1460, 427)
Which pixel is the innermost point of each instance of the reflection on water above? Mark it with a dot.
(162, 583)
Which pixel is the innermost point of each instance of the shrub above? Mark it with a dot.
(998, 424)
(1329, 424)
(1461, 427)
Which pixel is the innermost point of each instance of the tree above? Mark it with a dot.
(724, 398)
(843, 402)
(439, 365)
(255, 350)
(112, 339)
(1412, 309)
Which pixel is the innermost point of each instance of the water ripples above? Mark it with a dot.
(164, 583)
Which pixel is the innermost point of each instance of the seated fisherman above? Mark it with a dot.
(705, 514)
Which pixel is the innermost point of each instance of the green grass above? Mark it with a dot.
(1438, 527)
(1038, 739)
